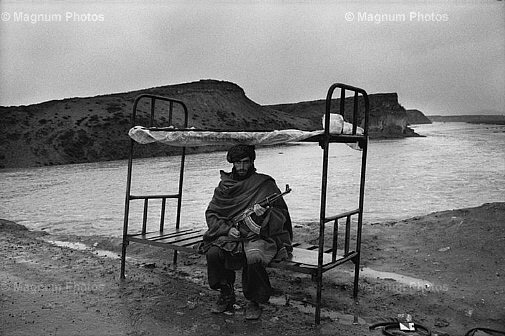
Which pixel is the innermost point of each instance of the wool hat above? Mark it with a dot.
(239, 152)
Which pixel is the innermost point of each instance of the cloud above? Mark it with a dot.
(277, 51)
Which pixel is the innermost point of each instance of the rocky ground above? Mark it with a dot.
(452, 266)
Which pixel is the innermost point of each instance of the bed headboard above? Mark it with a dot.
(354, 116)
(157, 111)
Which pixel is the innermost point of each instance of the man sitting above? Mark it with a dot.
(253, 243)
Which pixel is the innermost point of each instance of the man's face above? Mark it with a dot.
(242, 166)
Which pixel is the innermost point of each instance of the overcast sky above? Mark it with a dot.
(441, 57)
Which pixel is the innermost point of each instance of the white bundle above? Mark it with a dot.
(339, 126)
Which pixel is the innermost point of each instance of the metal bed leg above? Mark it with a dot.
(123, 258)
(175, 259)
(319, 280)
(356, 277)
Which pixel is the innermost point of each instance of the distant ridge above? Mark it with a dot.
(498, 119)
(91, 129)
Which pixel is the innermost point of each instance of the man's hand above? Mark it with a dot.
(234, 233)
(259, 210)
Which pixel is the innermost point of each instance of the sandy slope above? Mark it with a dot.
(52, 290)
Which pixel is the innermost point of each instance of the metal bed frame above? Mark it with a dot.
(309, 259)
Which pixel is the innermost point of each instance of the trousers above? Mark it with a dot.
(255, 281)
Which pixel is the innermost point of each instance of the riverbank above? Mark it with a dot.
(497, 119)
(452, 263)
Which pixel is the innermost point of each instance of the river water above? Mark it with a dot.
(456, 165)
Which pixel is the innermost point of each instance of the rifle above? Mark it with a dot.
(268, 201)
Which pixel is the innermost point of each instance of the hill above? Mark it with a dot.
(77, 130)
(92, 129)
(416, 117)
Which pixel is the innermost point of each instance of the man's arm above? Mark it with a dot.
(275, 219)
(217, 225)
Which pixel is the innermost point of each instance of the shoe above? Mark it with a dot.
(225, 301)
(224, 304)
(253, 311)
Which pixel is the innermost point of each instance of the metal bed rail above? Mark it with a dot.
(129, 197)
(309, 259)
(323, 219)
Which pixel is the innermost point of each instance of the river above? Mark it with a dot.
(455, 165)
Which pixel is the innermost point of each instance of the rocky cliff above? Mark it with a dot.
(77, 130)
(388, 119)
(416, 117)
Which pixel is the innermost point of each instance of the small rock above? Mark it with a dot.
(440, 322)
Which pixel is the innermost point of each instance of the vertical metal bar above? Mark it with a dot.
(361, 199)
(181, 172)
(151, 122)
(181, 181)
(126, 212)
(144, 219)
(342, 102)
(335, 240)
(127, 195)
(367, 114)
(322, 215)
(355, 114)
(323, 144)
(347, 235)
(170, 110)
(162, 215)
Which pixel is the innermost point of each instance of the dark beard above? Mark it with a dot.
(237, 177)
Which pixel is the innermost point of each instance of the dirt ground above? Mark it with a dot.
(455, 260)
